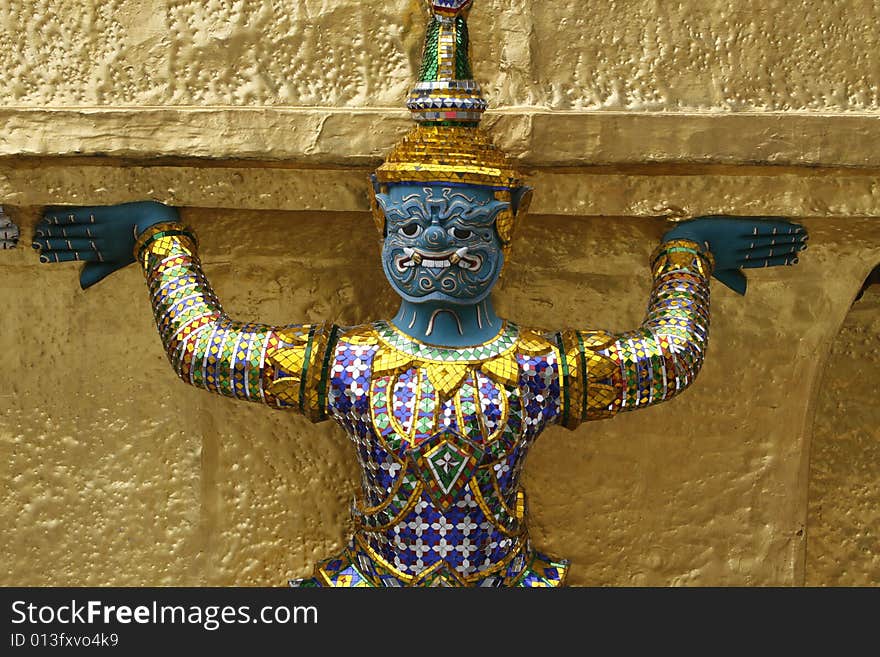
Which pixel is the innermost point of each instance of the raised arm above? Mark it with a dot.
(283, 367)
(606, 373)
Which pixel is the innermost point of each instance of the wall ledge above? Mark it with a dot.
(359, 137)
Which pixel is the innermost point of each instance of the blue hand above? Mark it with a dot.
(102, 236)
(743, 243)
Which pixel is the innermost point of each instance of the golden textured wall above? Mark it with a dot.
(262, 120)
(843, 545)
(624, 55)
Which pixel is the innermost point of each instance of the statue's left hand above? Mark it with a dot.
(743, 243)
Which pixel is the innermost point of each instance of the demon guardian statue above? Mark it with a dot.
(443, 401)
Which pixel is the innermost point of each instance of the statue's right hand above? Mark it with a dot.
(101, 236)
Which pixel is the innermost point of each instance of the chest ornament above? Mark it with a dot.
(445, 463)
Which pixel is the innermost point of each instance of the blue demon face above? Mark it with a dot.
(440, 242)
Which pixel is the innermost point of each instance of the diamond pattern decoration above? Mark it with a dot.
(446, 462)
(446, 465)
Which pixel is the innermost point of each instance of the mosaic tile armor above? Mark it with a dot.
(441, 433)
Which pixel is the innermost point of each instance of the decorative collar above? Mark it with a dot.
(449, 367)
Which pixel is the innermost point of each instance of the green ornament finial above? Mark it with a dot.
(446, 91)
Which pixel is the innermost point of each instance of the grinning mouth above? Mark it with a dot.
(432, 260)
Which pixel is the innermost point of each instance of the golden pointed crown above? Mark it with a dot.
(447, 144)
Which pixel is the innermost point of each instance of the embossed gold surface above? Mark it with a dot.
(627, 55)
(843, 537)
(114, 472)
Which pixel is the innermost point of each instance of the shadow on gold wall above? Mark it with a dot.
(843, 526)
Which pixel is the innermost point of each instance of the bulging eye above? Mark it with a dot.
(411, 230)
(462, 233)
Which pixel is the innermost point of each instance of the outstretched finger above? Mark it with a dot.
(777, 240)
(770, 252)
(61, 216)
(773, 229)
(59, 244)
(775, 261)
(45, 229)
(70, 256)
